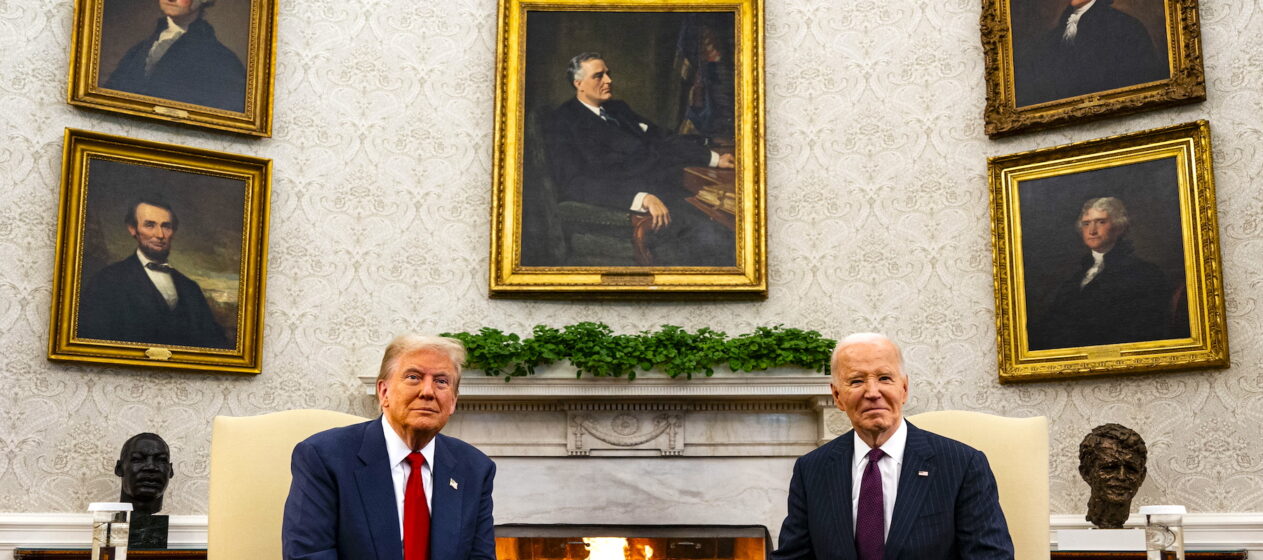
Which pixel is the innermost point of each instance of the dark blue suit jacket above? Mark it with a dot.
(953, 512)
(341, 504)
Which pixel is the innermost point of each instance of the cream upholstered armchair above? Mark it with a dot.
(1017, 449)
(249, 478)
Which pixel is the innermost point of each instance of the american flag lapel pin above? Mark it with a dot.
(452, 481)
(923, 473)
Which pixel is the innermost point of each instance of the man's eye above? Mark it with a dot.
(855, 382)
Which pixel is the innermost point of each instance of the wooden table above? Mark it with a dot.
(1188, 555)
(86, 553)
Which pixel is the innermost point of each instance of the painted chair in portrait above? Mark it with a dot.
(250, 476)
(1017, 449)
(570, 233)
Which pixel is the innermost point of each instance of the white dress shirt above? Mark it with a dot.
(1072, 23)
(888, 466)
(1098, 264)
(161, 280)
(638, 203)
(168, 36)
(398, 452)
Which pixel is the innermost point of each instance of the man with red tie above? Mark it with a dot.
(887, 489)
(394, 488)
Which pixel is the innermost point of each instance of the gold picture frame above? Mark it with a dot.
(127, 57)
(1116, 57)
(1151, 300)
(142, 201)
(696, 67)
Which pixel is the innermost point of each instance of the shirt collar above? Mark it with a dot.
(397, 450)
(173, 27)
(1097, 257)
(143, 259)
(1079, 11)
(893, 447)
(597, 110)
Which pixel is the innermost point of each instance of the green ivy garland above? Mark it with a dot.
(593, 348)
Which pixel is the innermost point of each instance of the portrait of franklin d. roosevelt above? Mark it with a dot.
(629, 140)
(1103, 257)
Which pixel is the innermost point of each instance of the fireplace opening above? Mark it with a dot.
(632, 542)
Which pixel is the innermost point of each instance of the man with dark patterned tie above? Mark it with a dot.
(142, 298)
(394, 488)
(887, 489)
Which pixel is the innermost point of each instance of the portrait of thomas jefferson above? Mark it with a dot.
(173, 52)
(159, 261)
(1068, 48)
(1111, 274)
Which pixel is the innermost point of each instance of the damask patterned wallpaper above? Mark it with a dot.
(382, 149)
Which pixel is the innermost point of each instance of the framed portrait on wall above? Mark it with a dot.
(161, 254)
(1057, 62)
(1107, 257)
(206, 63)
(629, 154)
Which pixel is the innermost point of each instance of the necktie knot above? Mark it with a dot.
(875, 455)
(415, 459)
(159, 267)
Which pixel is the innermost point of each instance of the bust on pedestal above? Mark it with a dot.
(144, 464)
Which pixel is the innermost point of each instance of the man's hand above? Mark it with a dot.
(658, 211)
(727, 161)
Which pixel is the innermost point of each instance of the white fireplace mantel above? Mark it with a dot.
(778, 413)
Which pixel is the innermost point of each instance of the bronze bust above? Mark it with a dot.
(1112, 462)
(144, 464)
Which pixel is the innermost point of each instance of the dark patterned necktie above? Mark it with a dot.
(870, 514)
(159, 267)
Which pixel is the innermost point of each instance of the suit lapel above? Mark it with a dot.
(152, 298)
(917, 456)
(839, 494)
(376, 494)
(445, 505)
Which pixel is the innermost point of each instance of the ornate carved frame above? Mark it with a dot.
(1207, 345)
(255, 175)
(509, 278)
(1187, 83)
(260, 62)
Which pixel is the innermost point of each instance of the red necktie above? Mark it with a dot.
(870, 515)
(416, 514)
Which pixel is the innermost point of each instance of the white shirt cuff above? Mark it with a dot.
(638, 203)
(714, 159)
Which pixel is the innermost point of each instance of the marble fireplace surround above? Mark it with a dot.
(654, 451)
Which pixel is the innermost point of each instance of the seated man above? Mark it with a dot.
(601, 152)
(888, 489)
(394, 488)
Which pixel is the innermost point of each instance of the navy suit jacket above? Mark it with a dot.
(341, 504)
(952, 512)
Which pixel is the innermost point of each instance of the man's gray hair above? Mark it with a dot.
(865, 338)
(1110, 205)
(574, 70)
(405, 344)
